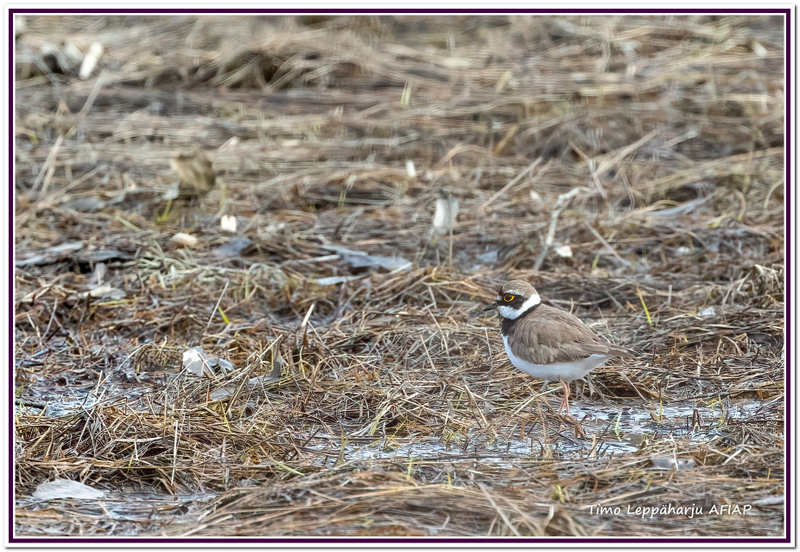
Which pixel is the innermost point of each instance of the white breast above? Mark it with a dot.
(564, 371)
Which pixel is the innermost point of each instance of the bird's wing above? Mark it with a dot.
(552, 335)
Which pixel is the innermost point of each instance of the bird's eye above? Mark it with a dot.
(508, 297)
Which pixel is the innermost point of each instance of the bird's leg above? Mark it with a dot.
(567, 417)
(565, 401)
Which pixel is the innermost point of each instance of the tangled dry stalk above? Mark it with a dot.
(657, 140)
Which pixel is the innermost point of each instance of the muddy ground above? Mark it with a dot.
(345, 380)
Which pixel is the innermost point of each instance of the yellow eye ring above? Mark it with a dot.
(508, 297)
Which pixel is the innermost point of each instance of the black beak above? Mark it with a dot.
(490, 307)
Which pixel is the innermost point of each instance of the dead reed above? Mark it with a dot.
(658, 141)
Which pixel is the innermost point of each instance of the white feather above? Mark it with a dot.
(564, 371)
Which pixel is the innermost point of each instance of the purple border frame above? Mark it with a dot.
(410, 541)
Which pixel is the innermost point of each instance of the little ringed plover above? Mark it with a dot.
(546, 342)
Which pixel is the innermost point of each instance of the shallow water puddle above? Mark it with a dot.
(51, 403)
(608, 432)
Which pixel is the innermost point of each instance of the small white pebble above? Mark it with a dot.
(759, 50)
(564, 251)
(184, 239)
(90, 61)
(228, 223)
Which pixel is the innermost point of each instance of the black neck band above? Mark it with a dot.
(507, 324)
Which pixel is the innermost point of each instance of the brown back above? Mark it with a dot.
(547, 335)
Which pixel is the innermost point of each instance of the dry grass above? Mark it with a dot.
(396, 411)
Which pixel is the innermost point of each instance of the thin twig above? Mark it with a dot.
(46, 168)
(221, 295)
(561, 203)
